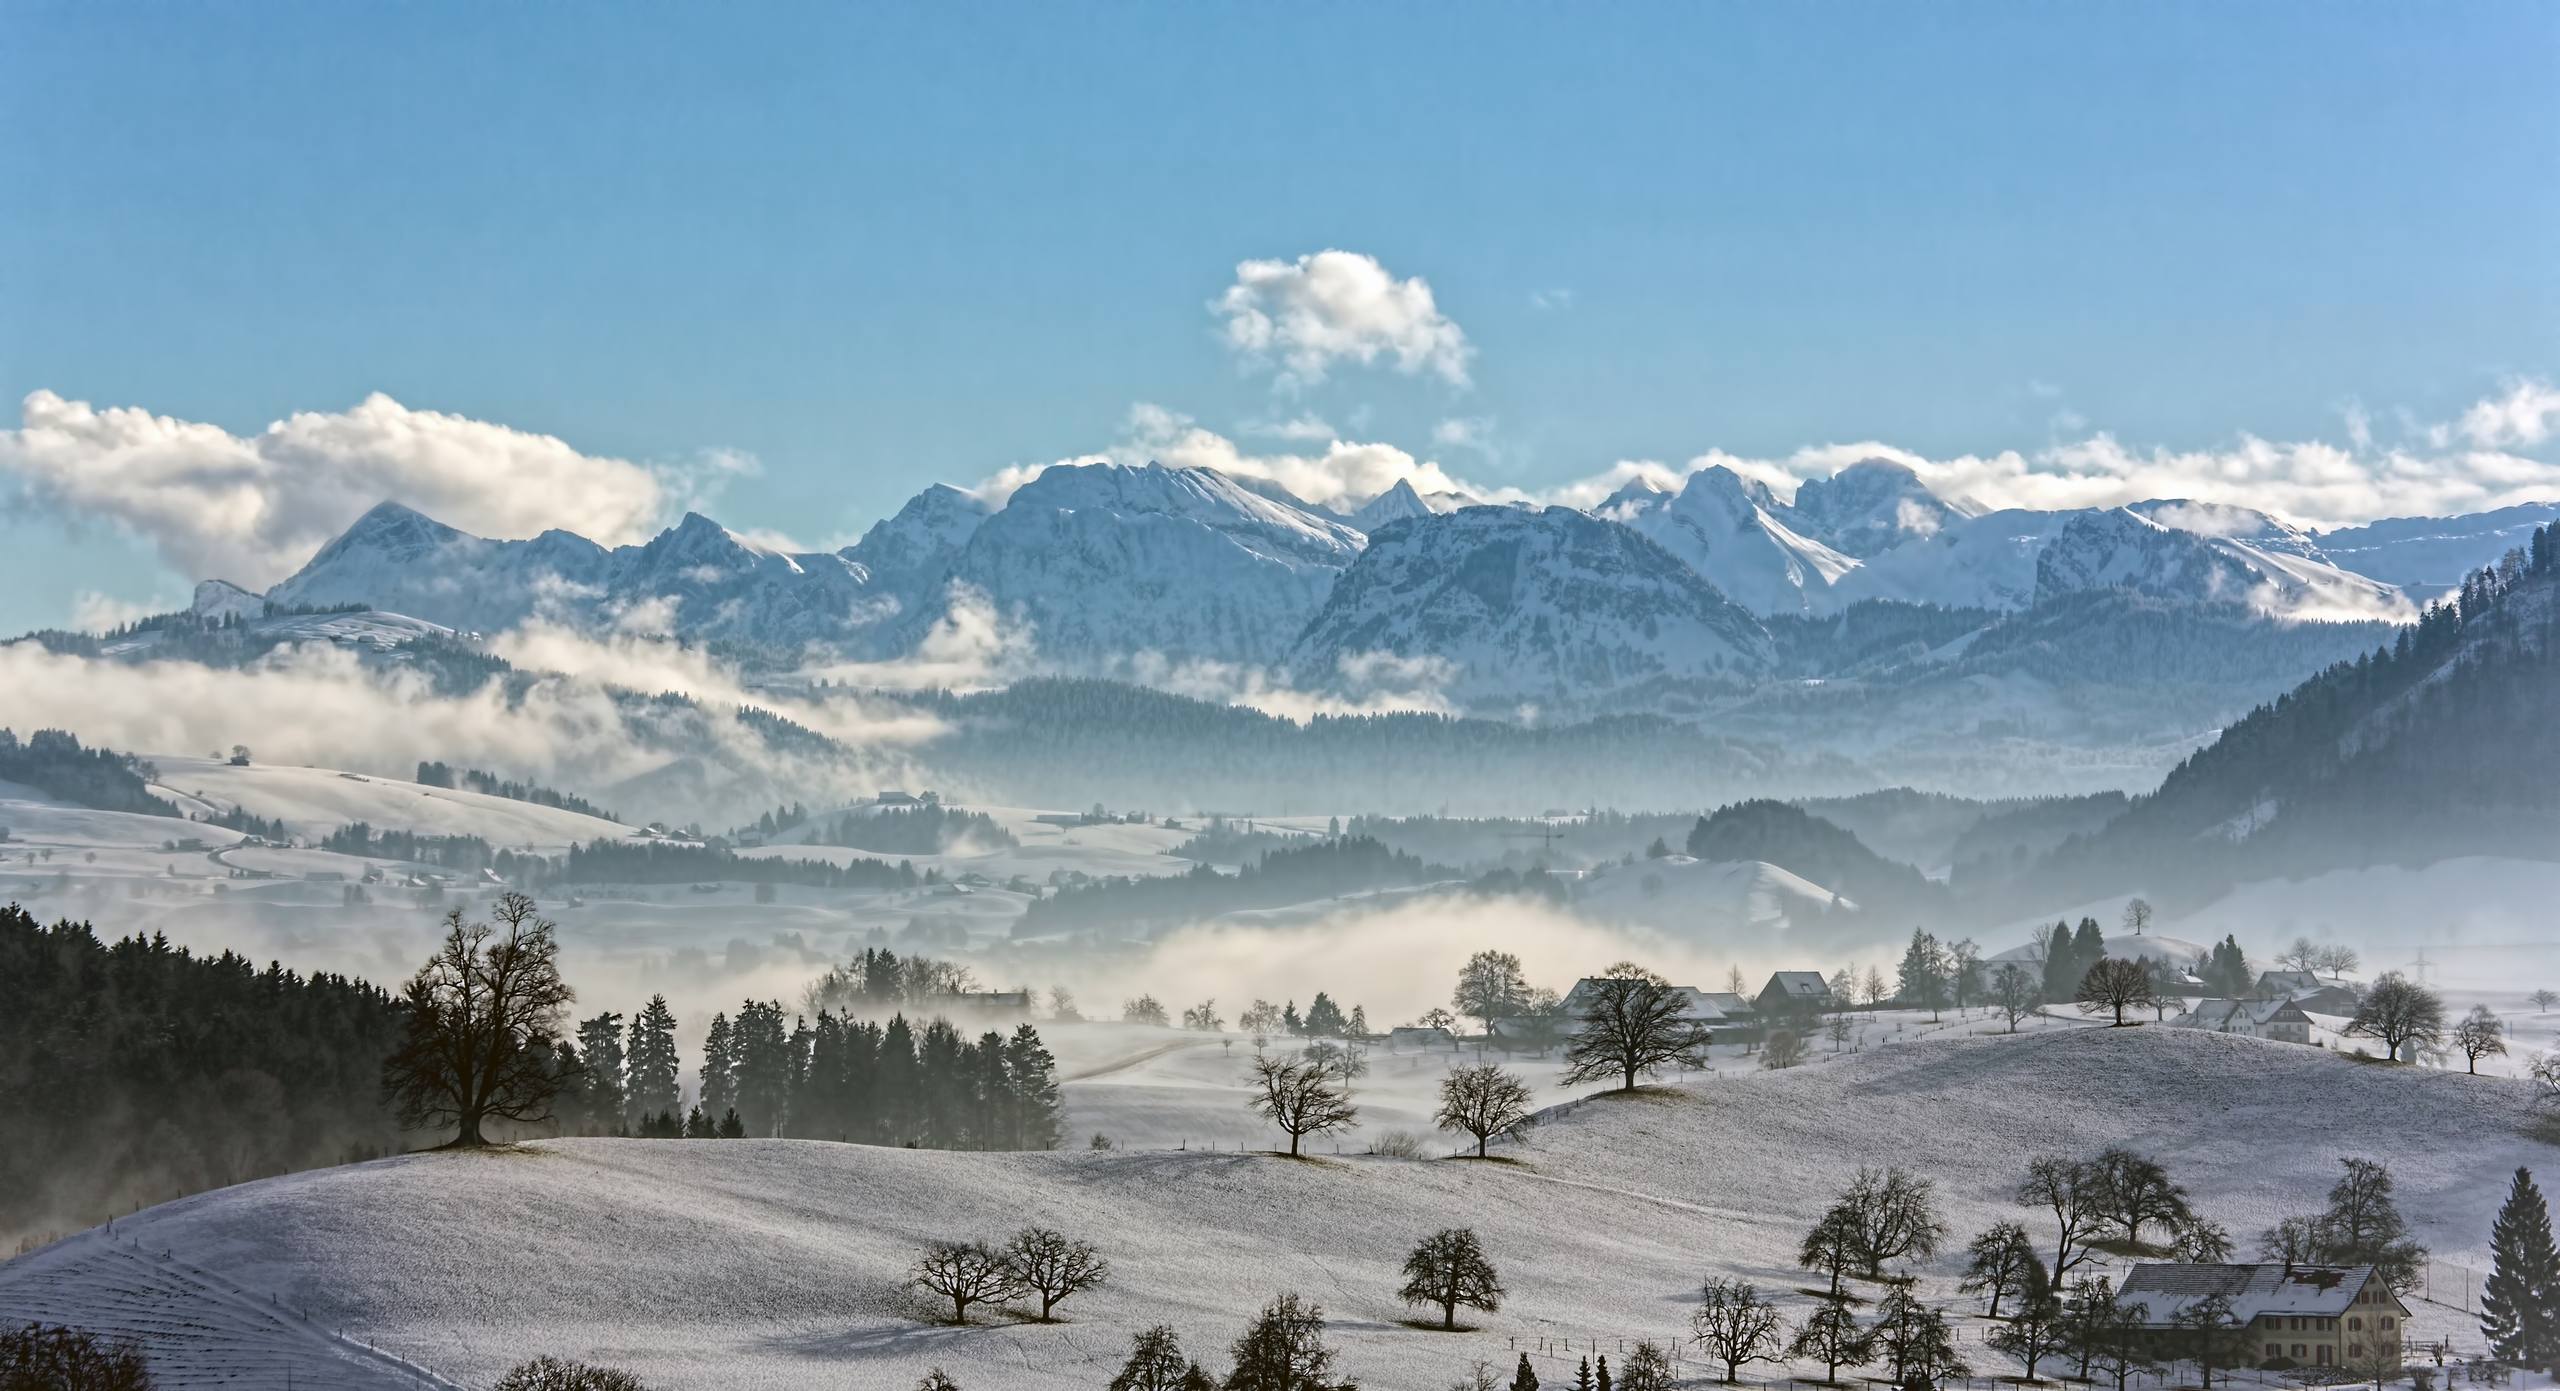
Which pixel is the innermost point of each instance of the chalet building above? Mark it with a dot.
(2278, 1019)
(1417, 1038)
(2312, 1316)
(1794, 992)
(2285, 985)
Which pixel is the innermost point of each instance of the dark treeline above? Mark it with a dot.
(133, 1072)
(466, 854)
(1297, 874)
(54, 763)
(840, 1078)
(659, 862)
(923, 830)
(440, 774)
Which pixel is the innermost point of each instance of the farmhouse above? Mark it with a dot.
(2278, 1019)
(1794, 992)
(2285, 985)
(2314, 1316)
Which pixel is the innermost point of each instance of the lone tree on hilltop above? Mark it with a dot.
(2401, 1013)
(1483, 1101)
(480, 1038)
(1448, 1269)
(1302, 1096)
(2480, 1035)
(965, 1273)
(1736, 1326)
(1049, 1264)
(2116, 985)
(2013, 993)
(1633, 1024)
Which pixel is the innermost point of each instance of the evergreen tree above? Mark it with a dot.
(2520, 1302)
(697, 1126)
(1037, 1116)
(654, 1070)
(719, 1083)
(2062, 966)
(1525, 1379)
(761, 1062)
(600, 1040)
(1325, 1019)
(1924, 981)
(1582, 1375)
(731, 1128)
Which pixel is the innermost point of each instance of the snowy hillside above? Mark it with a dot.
(314, 801)
(1548, 607)
(1727, 529)
(772, 1264)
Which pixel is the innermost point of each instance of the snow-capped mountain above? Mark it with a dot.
(1728, 529)
(2426, 556)
(1104, 561)
(697, 577)
(1870, 507)
(1517, 606)
(912, 551)
(1875, 531)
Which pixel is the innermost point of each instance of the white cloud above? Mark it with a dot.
(1551, 299)
(1339, 306)
(2526, 415)
(1304, 429)
(1464, 432)
(93, 612)
(251, 509)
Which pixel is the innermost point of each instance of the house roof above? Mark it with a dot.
(2225, 1014)
(1701, 1009)
(2302, 982)
(2166, 1291)
(1725, 1001)
(1804, 985)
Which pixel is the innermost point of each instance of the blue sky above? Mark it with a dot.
(872, 247)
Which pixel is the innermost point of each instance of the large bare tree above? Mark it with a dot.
(1632, 1023)
(1483, 1101)
(2402, 1013)
(1302, 1096)
(480, 1040)
(2116, 985)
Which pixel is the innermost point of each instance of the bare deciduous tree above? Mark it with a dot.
(1301, 1096)
(1633, 1023)
(2401, 1013)
(479, 1040)
(2013, 991)
(2116, 985)
(1049, 1264)
(1737, 1326)
(2064, 1187)
(1484, 1102)
(1785, 1048)
(1892, 1214)
(965, 1273)
(1449, 1269)
(2480, 1035)
(1490, 987)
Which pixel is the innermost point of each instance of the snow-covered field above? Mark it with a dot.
(774, 1264)
(314, 801)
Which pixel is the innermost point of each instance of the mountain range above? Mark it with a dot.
(1648, 600)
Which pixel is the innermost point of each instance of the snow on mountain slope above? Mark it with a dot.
(1727, 529)
(1549, 606)
(774, 1264)
(2121, 549)
(911, 552)
(1871, 507)
(1105, 560)
(314, 801)
(1971, 562)
(2427, 555)
(714, 583)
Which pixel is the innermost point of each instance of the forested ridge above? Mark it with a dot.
(133, 1071)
